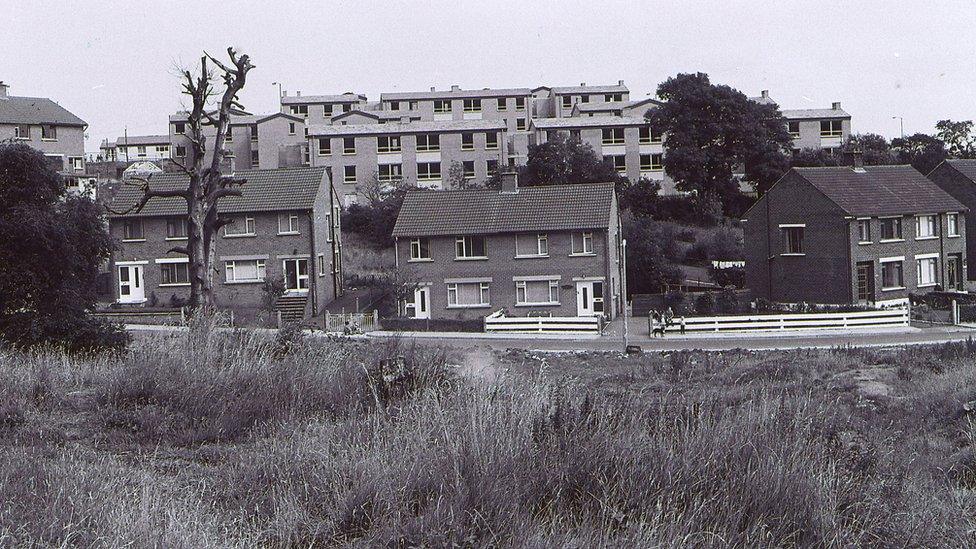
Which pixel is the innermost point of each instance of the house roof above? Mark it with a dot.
(879, 190)
(604, 106)
(411, 127)
(281, 189)
(487, 211)
(455, 94)
(965, 167)
(138, 140)
(378, 115)
(36, 110)
(798, 114)
(615, 88)
(348, 97)
(588, 122)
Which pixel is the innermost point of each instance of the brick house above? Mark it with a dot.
(285, 225)
(551, 250)
(857, 234)
(958, 178)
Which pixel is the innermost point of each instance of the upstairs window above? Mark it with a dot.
(613, 136)
(644, 135)
(176, 228)
(831, 128)
(952, 220)
(520, 125)
(389, 173)
(299, 110)
(49, 133)
(76, 162)
(388, 144)
(520, 103)
(926, 226)
(567, 101)
(501, 104)
(657, 136)
(584, 98)
(467, 141)
(349, 174)
(891, 228)
(491, 140)
(794, 128)
(467, 167)
(348, 145)
(291, 129)
(864, 231)
(22, 131)
(428, 171)
(793, 236)
(582, 243)
(442, 106)
(472, 105)
(325, 146)
(394, 105)
(428, 142)
(471, 247)
(327, 110)
(288, 223)
(132, 229)
(179, 127)
(240, 227)
(420, 249)
(613, 97)
(532, 245)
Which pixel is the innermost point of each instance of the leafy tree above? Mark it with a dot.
(561, 160)
(713, 129)
(874, 148)
(959, 139)
(806, 158)
(52, 247)
(640, 197)
(923, 152)
(375, 219)
(648, 270)
(456, 178)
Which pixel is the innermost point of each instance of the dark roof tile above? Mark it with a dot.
(36, 110)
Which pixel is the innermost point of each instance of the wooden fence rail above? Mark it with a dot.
(800, 321)
(497, 322)
(352, 322)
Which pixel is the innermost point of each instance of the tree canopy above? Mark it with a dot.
(562, 160)
(923, 152)
(714, 129)
(53, 246)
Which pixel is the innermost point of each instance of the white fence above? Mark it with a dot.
(799, 321)
(352, 322)
(497, 322)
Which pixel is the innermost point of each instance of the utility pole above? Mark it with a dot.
(623, 289)
(901, 121)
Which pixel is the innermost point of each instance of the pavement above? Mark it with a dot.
(756, 340)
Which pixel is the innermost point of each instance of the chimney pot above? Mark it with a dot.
(836, 105)
(620, 82)
(455, 88)
(510, 181)
(765, 94)
(582, 84)
(433, 88)
(298, 93)
(857, 160)
(3, 89)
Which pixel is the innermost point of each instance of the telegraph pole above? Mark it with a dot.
(623, 289)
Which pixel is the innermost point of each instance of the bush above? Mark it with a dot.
(728, 302)
(678, 302)
(705, 304)
(728, 277)
(75, 334)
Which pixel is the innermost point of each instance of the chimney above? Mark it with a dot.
(510, 182)
(765, 94)
(432, 88)
(620, 82)
(455, 88)
(298, 93)
(857, 160)
(582, 84)
(3, 90)
(835, 105)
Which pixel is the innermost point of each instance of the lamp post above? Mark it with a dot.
(901, 121)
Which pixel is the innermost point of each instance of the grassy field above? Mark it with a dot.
(197, 440)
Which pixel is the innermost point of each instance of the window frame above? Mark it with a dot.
(898, 235)
(165, 265)
(170, 234)
(431, 142)
(464, 244)
(793, 238)
(393, 175)
(292, 220)
(429, 174)
(933, 271)
(392, 145)
(491, 141)
(952, 225)
(443, 106)
(346, 149)
(250, 228)
(45, 128)
(930, 222)
(327, 151)
(522, 292)
(831, 131)
(471, 105)
(612, 137)
(585, 239)
(127, 225)
(260, 269)
(501, 104)
(467, 141)
(864, 230)
(417, 248)
(901, 273)
(346, 174)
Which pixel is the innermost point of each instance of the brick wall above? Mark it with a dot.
(962, 189)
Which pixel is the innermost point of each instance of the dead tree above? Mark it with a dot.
(207, 185)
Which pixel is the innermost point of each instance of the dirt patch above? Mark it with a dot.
(872, 382)
(480, 364)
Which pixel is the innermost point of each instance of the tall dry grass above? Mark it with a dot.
(207, 439)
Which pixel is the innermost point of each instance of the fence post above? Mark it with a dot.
(182, 315)
(955, 312)
(376, 319)
(279, 319)
(232, 318)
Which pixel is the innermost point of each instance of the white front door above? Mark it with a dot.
(132, 288)
(418, 304)
(589, 298)
(296, 275)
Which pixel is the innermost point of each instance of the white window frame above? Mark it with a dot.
(541, 247)
(472, 105)
(930, 222)
(464, 168)
(291, 223)
(885, 260)
(345, 174)
(521, 291)
(832, 132)
(346, 149)
(54, 130)
(899, 224)
(417, 250)
(322, 269)
(230, 267)
(125, 230)
(392, 144)
(520, 103)
(490, 144)
(933, 260)
(428, 142)
(793, 134)
(585, 239)
(18, 134)
(249, 228)
(952, 225)
(501, 104)
(327, 150)
(521, 125)
(463, 245)
(442, 106)
(162, 262)
(454, 293)
(428, 173)
(394, 172)
(467, 146)
(865, 222)
(614, 137)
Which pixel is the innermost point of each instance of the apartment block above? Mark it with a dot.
(136, 148)
(421, 152)
(285, 225)
(318, 108)
(559, 101)
(815, 128)
(50, 128)
(267, 141)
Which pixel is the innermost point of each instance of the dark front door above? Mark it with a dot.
(954, 272)
(865, 281)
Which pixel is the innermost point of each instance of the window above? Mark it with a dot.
(892, 274)
(613, 136)
(619, 162)
(644, 135)
(575, 135)
(179, 127)
(299, 110)
(162, 149)
(952, 220)
(468, 294)
(427, 142)
(306, 155)
(346, 107)
(349, 174)
(520, 125)
(389, 173)
(491, 140)
(472, 105)
(49, 133)
(520, 103)
(291, 129)
(132, 230)
(442, 106)
(22, 131)
(287, 223)
(327, 110)
(348, 145)
(470, 247)
(394, 105)
(174, 274)
(491, 167)
(928, 270)
(420, 249)
(584, 98)
(180, 151)
(534, 246)
(864, 231)
(657, 136)
(412, 105)
(794, 128)
(255, 159)
(176, 228)
(248, 270)
(613, 97)
(891, 228)
(325, 146)
(830, 128)
(793, 235)
(567, 101)
(305, 131)
(322, 265)
(501, 104)
(240, 227)
(582, 244)
(467, 141)
(428, 171)
(387, 144)
(468, 169)
(537, 292)
(76, 162)
(926, 226)
(651, 162)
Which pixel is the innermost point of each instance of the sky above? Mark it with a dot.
(115, 64)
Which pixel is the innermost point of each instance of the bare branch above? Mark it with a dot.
(179, 250)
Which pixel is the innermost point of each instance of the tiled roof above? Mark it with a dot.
(280, 189)
(411, 127)
(347, 97)
(965, 167)
(797, 114)
(603, 106)
(487, 211)
(378, 115)
(615, 88)
(139, 140)
(763, 100)
(880, 190)
(455, 94)
(36, 110)
(587, 122)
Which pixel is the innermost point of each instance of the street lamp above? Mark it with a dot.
(901, 120)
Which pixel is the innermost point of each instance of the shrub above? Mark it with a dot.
(730, 276)
(705, 304)
(728, 302)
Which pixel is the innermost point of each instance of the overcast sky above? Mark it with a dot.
(114, 65)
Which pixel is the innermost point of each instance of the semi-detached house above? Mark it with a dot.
(285, 226)
(841, 235)
(550, 250)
